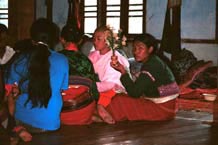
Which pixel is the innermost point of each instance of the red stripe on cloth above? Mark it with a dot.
(74, 91)
(123, 107)
(79, 117)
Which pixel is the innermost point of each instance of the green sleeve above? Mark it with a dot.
(138, 88)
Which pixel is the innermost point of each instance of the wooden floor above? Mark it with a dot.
(186, 129)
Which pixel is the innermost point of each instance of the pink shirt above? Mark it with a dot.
(109, 77)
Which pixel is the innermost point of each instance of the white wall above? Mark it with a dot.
(41, 9)
(60, 11)
(201, 51)
(204, 51)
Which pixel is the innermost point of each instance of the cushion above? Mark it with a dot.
(193, 71)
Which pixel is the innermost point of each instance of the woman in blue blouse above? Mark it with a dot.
(41, 75)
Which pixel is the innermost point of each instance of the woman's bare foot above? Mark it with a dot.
(106, 117)
(96, 118)
(25, 136)
(22, 133)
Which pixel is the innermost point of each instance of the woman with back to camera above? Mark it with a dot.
(79, 64)
(6, 53)
(152, 96)
(41, 74)
(81, 69)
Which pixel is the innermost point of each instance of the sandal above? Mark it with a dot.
(21, 133)
(14, 140)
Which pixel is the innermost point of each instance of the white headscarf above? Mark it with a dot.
(9, 52)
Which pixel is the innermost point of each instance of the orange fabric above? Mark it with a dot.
(105, 97)
(72, 47)
(123, 107)
(73, 92)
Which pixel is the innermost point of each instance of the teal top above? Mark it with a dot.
(144, 85)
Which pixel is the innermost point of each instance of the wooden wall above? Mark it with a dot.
(21, 16)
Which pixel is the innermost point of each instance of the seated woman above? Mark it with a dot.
(41, 75)
(79, 65)
(109, 78)
(152, 96)
(6, 53)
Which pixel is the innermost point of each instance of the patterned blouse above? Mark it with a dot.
(80, 65)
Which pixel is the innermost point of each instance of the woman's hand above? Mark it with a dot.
(12, 96)
(15, 91)
(117, 65)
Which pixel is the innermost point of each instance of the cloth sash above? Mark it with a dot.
(162, 99)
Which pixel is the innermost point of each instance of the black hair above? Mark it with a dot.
(148, 40)
(43, 34)
(4, 39)
(44, 30)
(104, 28)
(3, 28)
(70, 33)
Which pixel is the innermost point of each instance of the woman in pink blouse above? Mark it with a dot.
(109, 78)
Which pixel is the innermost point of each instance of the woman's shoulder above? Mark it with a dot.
(153, 64)
(154, 61)
(21, 58)
(158, 68)
(68, 53)
(93, 53)
(154, 58)
(94, 56)
(56, 56)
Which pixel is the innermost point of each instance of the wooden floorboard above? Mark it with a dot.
(186, 129)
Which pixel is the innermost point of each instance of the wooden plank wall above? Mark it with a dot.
(21, 16)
